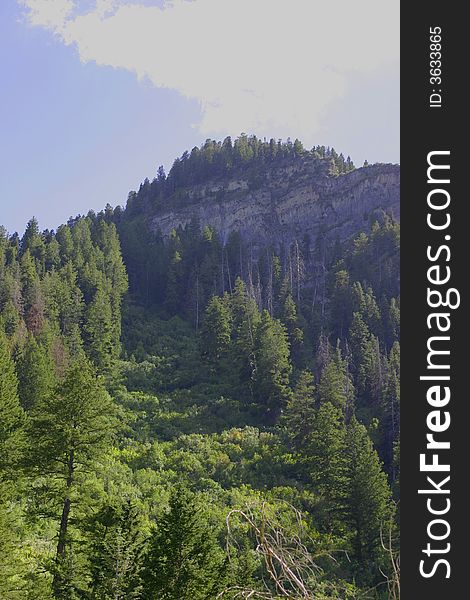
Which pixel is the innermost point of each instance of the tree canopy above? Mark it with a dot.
(174, 410)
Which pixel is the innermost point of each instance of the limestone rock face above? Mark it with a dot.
(288, 203)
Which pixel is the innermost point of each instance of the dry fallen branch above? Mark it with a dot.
(290, 566)
(393, 580)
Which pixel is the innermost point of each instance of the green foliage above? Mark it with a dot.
(74, 424)
(7, 547)
(370, 508)
(246, 320)
(326, 451)
(335, 385)
(11, 443)
(291, 320)
(216, 331)
(247, 154)
(229, 375)
(98, 330)
(299, 416)
(273, 367)
(184, 561)
(117, 542)
(12, 417)
(36, 372)
(69, 432)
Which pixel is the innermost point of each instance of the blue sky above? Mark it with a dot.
(96, 94)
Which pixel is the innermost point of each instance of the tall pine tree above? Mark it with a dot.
(326, 455)
(117, 542)
(184, 561)
(69, 431)
(11, 446)
(369, 504)
(35, 374)
(273, 367)
(12, 416)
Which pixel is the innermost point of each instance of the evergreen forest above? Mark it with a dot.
(189, 418)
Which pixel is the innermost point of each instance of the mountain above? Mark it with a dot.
(259, 199)
(204, 381)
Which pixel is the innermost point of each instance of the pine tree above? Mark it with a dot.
(325, 450)
(117, 541)
(115, 274)
(113, 267)
(341, 302)
(216, 329)
(393, 320)
(69, 431)
(273, 367)
(246, 319)
(98, 330)
(323, 355)
(52, 260)
(36, 375)
(11, 447)
(369, 505)
(12, 416)
(299, 415)
(290, 318)
(31, 293)
(390, 422)
(366, 362)
(175, 274)
(335, 383)
(64, 237)
(34, 243)
(67, 299)
(183, 561)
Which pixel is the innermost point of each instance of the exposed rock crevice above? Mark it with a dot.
(292, 201)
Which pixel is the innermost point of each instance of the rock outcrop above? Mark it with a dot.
(290, 201)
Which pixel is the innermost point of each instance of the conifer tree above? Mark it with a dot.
(11, 447)
(36, 375)
(273, 367)
(183, 561)
(366, 361)
(369, 505)
(216, 329)
(299, 415)
(68, 299)
(246, 319)
(64, 237)
(117, 542)
(335, 383)
(290, 318)
(12, 416)
(52, 259)
(326, 447)
(29, 281)
(341, 302)
(34, 243)
(390, 422)
(394, 320)
(98, 330)
(175, 274)
(69, 431)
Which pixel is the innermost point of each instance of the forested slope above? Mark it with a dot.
(191, 415)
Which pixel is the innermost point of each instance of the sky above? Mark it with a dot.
(96, 94)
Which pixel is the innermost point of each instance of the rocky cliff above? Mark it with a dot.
(290, 201)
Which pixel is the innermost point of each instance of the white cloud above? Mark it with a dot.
(268, 66)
